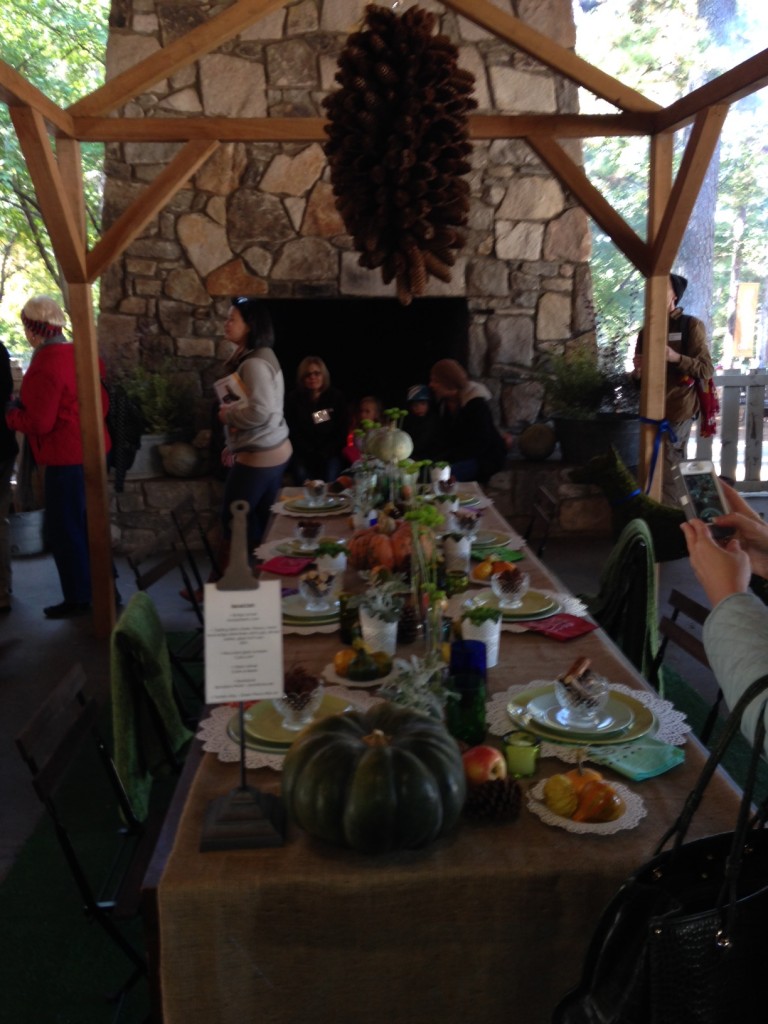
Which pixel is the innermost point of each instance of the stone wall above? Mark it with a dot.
(259, 219)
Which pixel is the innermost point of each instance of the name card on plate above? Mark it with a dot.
(243, 643)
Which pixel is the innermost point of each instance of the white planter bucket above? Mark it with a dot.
(487, 632)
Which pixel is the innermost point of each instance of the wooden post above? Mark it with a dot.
(654, 378)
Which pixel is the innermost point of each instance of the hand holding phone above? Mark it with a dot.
(701, 495)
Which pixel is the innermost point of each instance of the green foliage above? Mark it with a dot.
(59, 47)
(164, 405)
(639, 42)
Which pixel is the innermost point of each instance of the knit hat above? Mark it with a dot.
(43, 316)
(679, 284)
(419, 393)
(450, 374)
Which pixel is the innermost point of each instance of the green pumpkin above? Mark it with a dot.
(387, 779)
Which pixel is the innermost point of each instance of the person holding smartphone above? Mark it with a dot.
(688, 360)
(316, 414)
(736, 630)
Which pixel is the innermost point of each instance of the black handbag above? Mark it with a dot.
(683, 941)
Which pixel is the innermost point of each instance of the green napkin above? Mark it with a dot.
(498, 554)
(641, 759)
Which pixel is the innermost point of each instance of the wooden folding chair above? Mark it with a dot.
(50, 744)
(544, 510)
(671, 628)
(188, 525)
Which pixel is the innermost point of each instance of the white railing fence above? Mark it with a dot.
(738, 449)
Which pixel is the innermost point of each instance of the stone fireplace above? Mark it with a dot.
(259, 219)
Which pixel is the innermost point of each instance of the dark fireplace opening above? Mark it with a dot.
(371, 346)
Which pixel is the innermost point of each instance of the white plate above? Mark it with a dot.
(634, 811)
(330, 675)
(617, 717)
(334, 503)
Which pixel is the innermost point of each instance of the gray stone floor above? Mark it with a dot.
(35, 651)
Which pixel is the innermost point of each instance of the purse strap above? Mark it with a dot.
(680, 827)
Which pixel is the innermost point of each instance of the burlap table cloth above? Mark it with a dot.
(490, 922)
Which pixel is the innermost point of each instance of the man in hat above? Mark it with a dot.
(688, 360)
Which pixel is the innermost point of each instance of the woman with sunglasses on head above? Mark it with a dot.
(317, 420)
(257, 445)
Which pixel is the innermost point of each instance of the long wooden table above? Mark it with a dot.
(490, 922)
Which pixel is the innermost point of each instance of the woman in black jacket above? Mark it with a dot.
(316, 414)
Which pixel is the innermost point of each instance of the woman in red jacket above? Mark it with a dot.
(48, 412)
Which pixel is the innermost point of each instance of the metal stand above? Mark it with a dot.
(245, 818)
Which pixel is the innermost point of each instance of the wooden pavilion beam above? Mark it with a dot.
(55, 206)
(172, 58)
(551, 54)
(134, 219)
(748, 77)
(572, 176)
(679, 206)
(312, 129)
(16, 91)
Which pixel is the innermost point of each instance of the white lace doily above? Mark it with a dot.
(672, 725)
(634, 811)
(213, 731)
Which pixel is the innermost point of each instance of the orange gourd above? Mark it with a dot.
(598, 801)
(581, 776)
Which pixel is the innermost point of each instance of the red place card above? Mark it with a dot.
(561, 627)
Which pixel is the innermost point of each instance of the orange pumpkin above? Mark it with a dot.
(581, 776)
(369, 548)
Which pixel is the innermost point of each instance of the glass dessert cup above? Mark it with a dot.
(315, 491)
(298, 709)
(307, 531)
(510, 587)
(581, 701)
(316, 588)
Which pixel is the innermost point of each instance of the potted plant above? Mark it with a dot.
(165, 409)
(419, 683)
(481, 621)
(593, 403)
(331, 556)
(380, 608)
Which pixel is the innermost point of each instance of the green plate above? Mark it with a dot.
(294, 549)
(491, 539)
(643, 721)
(295, 613)
(468, 500)
(535, 606)
(264, 726)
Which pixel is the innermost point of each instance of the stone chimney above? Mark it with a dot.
(259, 219)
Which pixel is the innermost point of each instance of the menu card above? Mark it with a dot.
(243, 643)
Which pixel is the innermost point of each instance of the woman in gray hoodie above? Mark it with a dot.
(257, 446)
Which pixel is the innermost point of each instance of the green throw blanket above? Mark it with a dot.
(626, 604)
(140, 673)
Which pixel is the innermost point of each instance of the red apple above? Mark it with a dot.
(483, 763)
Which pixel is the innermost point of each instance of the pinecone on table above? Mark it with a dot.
(495, 800)
(398, 147)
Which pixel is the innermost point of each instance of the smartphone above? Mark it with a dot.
(701, 495)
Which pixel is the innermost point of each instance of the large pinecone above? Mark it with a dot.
(495, 800)
(398, 147)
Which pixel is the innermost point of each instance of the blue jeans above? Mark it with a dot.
(65, 531)
(259, 486)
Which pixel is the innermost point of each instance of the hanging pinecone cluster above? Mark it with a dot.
(495, 800)
(398, 147)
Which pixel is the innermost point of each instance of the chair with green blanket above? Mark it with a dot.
(626, 603)
(149, 733)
